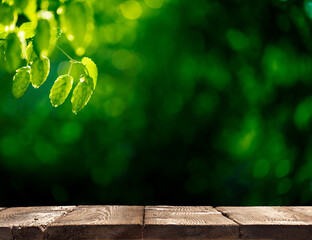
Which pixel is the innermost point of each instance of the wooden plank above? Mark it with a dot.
(173, 222)
(99, 222)
(28, 222)
(5, 234)
(303, 210)
(272, 222)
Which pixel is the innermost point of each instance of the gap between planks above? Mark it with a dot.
(227, 216)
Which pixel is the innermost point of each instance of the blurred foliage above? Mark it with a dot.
(197, 102)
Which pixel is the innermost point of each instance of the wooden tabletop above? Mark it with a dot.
(155, 222)
(271, 222)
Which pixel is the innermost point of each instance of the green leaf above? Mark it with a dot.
(46, 33)
(21, 5)
(42, 38)
(89, 81)
(30, 10)
(90, 69)
(77, 23)
(61, 89)
(3, 35)
(29, 29)
(21, 82)
(40, 69)
(81, 95)
(30, 53)
(13, 52)
(7, 15)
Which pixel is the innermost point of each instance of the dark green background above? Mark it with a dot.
(200, 102)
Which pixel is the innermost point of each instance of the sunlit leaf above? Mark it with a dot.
(30, 10)
(40, 69)
(61, 89)
(53, 25)
(3, 35)
(46, 34)
(29, 29)
(77, 22)
(90, 81)
(13, 52)
(21, 82)
(91, 69)
(42, 38)
(81, 95)
(30, 53)
(23, 42)
(21, 5)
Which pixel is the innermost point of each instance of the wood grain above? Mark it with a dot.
(303, 210)
(173, 222)
(28, 222)
(4, 233)
(272, 222)
(99, 222)
(155, 223)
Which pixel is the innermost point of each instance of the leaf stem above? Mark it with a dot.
(70, 68)
(69, 57)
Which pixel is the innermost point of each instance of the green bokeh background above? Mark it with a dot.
(201, 102)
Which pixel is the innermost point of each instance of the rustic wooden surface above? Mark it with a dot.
(155, 223)
(271, 222)
(28, 222)
(99, 222)
(168, 222)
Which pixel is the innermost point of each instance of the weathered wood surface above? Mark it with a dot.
(28, 222)
(169, 222)
(99, 222)
(155, 223)
(289, 223)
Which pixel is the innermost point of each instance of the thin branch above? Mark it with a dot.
(69, 57)
(70, 68)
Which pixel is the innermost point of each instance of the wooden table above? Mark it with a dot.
(155, 222)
